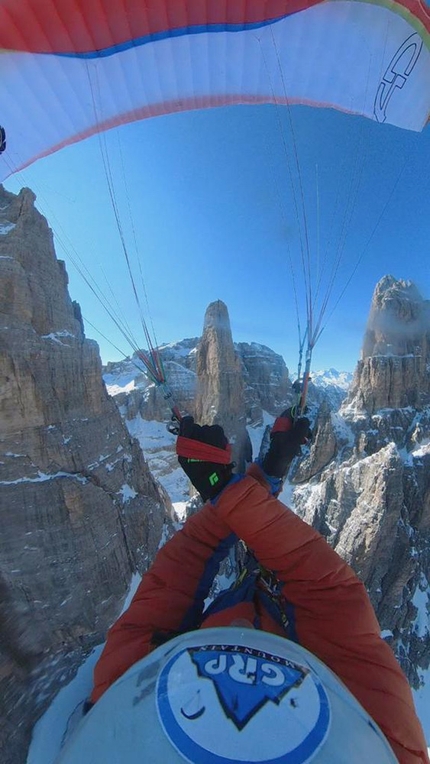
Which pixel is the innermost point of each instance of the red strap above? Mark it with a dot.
(282, 424)
(195, 449)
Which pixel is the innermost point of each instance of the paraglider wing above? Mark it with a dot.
(70, 68)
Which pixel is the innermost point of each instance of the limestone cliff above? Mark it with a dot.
(393, 372)
(372, 499)
(267, 385)
(220, 394)
(79, 510)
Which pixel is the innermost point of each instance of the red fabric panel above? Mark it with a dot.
(195, 449)
(282, 424)
(248, 612)
(69, 26)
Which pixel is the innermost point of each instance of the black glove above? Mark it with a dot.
(204, 454)
(286, 438)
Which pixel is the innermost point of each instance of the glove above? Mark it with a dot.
(286, 438)
(204, 454)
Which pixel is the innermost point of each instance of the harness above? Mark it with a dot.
(254, 578)
(268, 585)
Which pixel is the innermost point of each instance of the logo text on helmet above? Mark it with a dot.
(216, 703)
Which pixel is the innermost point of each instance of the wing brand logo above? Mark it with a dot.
(397, 73)
(218, 702)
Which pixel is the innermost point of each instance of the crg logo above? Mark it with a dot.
(244, 681)
(217, 702)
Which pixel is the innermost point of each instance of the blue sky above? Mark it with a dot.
(213, 213)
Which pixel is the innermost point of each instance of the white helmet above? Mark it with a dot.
(228, 695)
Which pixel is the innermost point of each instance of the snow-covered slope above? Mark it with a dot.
(331, 377)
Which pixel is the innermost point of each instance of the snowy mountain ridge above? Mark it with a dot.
(326, 378)
(127, 375)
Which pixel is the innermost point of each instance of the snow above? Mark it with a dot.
(42, 477)
(406, 456)
(180, 508)
(54, 336)
(122, 381)
(256, 433)
(310, 495)
(177, 349)
(127, 492)
(134, 583)
(176, 484)
(150, 434)
(6, 257)
(287, 495)
(165, 535)
(421, 601)
(127, 377)
(158, 446)
(418, 453)
(328, 377)
(353, 410)
(342, 430)
(123, 388)
(422, 450)
(6, 227)
(50, 731)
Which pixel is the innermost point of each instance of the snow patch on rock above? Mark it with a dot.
(6, 227)
(127, 492)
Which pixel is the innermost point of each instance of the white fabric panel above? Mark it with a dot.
(334, 54)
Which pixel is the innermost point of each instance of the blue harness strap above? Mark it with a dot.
(193, 617)
(254, 582)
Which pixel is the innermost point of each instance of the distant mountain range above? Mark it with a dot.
(127, 375)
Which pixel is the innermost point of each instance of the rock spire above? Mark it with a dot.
(220, 393)
(393, 371)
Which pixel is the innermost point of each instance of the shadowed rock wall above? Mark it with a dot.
(79, 510)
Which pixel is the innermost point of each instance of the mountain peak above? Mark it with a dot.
(393, 372)
(220, 397)
(398, 319)
(216, 316)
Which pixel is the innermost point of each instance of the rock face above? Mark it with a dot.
(266, 382)
(79, 510)
(220, 396)
(394, 370)
(138, 396)
(322, 450)
(372, 500)
(267, 386)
